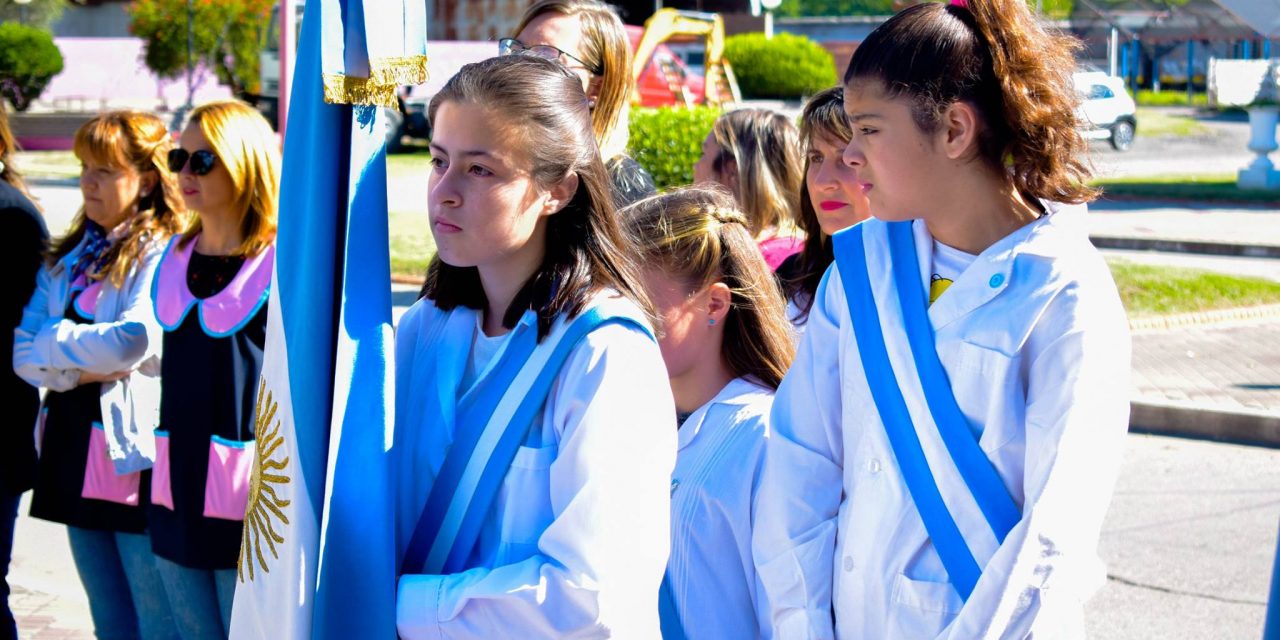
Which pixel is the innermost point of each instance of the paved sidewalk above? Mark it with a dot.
(1193, 227)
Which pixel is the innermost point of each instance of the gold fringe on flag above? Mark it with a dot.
(386, 75)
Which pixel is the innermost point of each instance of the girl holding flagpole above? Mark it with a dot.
(210, 297)
(89, 337)
(830, 199)
(941, 460)
(726, 343)
(533, 414)
(755, 153)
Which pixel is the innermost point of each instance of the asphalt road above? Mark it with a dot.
(1189, 541)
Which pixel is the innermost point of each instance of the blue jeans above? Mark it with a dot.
(126, 596)
(200, 599)
(8, 517)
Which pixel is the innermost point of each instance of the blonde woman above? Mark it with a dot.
(755, 153)
(210, 298)
(589, 38)
(89, 337)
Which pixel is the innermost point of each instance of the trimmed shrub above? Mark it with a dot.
(787, 66)
(28, 61)
(668, 141)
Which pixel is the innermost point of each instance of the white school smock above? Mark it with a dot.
(713, 580)
(577, 540)
(1036, 346)
(52, 351)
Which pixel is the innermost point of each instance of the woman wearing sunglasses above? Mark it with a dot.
(210, 298)
(589, 39)
(90, 338)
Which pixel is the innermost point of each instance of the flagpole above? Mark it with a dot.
(287, 52)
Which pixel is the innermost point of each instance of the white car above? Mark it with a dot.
(1106, 109)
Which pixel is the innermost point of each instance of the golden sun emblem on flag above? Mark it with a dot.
(265, 506)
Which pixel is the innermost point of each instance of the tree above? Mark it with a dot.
(28, 60)
(38, 13)
(227, 35)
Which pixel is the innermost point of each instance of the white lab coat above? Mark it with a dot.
(1035, 344)
(577, 540)
(713, 580)
(51, 351)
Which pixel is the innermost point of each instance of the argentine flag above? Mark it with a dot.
(318, 552)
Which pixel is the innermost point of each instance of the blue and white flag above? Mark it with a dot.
(318, 557)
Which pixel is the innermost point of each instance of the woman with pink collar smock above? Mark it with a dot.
(210, 297)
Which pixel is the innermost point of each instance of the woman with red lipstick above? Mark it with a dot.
(941, 458)
(831, 185)
(90, 338)
(533, 412)
(210, 297)
(755, 153)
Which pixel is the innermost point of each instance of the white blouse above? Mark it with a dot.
(577, 540)
(717, 471)
(1035, 343)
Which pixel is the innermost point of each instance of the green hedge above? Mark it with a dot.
(786, 66)
(28, 60)
(668, 141)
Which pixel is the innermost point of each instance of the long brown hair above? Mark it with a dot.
(997, 57)
(605, 47)
(8, 147)
(698, 236)
(140, 142)
(586, 250)
(765, 147)
(245, 144)
(823, 116)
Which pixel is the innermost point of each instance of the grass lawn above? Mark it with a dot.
(1170, 98)
(1199, 188)
(1153, 291)
(48, 164)
(411, 243)
(1154, 123)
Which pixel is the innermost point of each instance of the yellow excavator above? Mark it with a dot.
(720, 85)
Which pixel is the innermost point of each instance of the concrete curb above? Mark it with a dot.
(53, 182)
(1186, 246)
(1202, 318)
(1244, 426)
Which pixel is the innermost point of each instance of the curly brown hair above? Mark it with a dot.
(996, 56)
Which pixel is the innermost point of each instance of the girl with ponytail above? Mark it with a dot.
(955, 413)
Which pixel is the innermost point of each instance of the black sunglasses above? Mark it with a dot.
(511, 46)
(201, 161)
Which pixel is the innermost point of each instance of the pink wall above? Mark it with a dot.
(110, 72)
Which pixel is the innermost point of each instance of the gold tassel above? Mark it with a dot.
(340, 89)
(386, 75)
(399, 70)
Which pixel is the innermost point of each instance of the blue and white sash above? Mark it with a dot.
(980, 476)
(493, 420)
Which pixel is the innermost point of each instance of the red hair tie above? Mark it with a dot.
(963, 4)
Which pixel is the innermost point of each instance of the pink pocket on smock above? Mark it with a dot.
(161, 493)
(101, 482)
(226, 487)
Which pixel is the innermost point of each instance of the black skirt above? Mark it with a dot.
(64, 453)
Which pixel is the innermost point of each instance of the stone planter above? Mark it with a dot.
(1261, 173)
